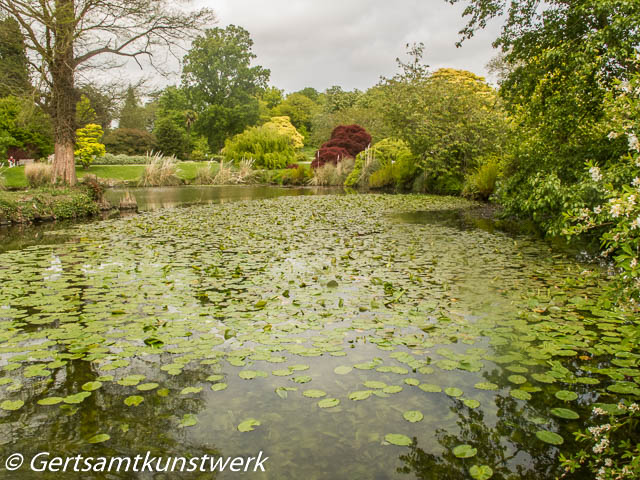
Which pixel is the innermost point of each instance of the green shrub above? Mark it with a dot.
(295, 176)
(171, 138)
(160, 171)
(88, 144)
(482, 183)
(129, 141)
(266, 147)
(38, 174)
(110, 159)
(382, 177)
(386, 152)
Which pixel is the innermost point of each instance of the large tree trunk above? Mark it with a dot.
(63, 94)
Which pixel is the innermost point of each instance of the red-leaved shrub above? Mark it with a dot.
(345, 141)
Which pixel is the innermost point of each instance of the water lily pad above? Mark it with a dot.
(566, 395)
(398, 439)
(248, 374)
(99, 438)
(282, 372)
(465, 451)
(429, 387)
(50, 401)
(216, 387)
(471, 403)
(282, 392)
(302, 379)
(486, 386)
(413, 416)
(564, 413)
(453, 392)
(414, 382)
(328, 402)
(549, 437)
(215, 378)
(11, 405)
(520, 394)
(77, 398)
(392, 389)
(517, 379)
(481, 472)
(342, 369)
(248, 424)
(313, 393)
(360, 395)
(133, 400)
(299, 367)
(91, 386)
(188, 420)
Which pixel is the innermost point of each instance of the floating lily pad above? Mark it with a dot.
(188, 420)
(549, 437)
(248, 374)
(486, 386)
(453, 392)
(50, 401)
(248, 424)
(564, 413)
(398, 439)
(471, 403)
(188, 390)
(481, 472)
(429, 387)
(392, 389)
(414, 382)
(282, 372)
(216, 387)
(101, 437)
(465, 451)
(566, 395)
(313, 393)
(282, 392)
(374, 384)
(413, 416)
(11, 405)
(133, 400)
(77, 398)
(520, 394)
(328, 402)
(91, 386)
(360, 395)
(517, 379)
(302, 379)
(342, 370)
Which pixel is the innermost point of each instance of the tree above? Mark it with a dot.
(85, 113)
(129, 141)
(221, 83)
(283, 126)
(172, 139)
(132, 114)
(63, 36)
(88, 144)
(103, 100)
(25, 130)
(559, 61)
(299, 108)
(14, 65)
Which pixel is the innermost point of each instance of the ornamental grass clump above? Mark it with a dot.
(332, 175)
(38, 174)
(160, 171)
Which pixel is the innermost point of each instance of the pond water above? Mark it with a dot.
(166, 197)
(344, 336)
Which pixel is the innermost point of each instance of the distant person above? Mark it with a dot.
(12, 162)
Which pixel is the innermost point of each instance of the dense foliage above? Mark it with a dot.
(88, 145)
(346, 142)
(264, 145)
(25, 131)
(129, 141)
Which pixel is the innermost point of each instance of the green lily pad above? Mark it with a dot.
(188, 390)
(342, 369)
(188, 420)
(564, 413)
(133, 400)
(50, 401)
(481, 472)
(414, 382)
(429, 387)
(302, 379)
(328, 402)
(282, 372)
(549, 437)
(360, 395)
(398, 439)
(465, 451)
(413, 416)
(313, 393)
(91, 386)
(471, 402)
(101, 437)
(486, 386)
(216, 387)
(392, 389)
(11, 405)
(453, 392)
(520, 394)
(77, 398)
(248, 424)
(248, 374)
(374, 384)
(566, 395)
(517, 379)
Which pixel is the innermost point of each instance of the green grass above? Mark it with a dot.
(114, 172)
(14, 177)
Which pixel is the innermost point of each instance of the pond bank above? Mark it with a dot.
(46, 204)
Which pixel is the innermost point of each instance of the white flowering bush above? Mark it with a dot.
(613, 451)
(617, 218)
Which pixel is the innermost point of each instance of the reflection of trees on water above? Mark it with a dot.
(64, 429)
(509, 447)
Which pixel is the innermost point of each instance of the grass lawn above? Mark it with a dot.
(14, 177)
(115, 172)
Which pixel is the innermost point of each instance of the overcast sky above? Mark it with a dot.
(351, 43)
